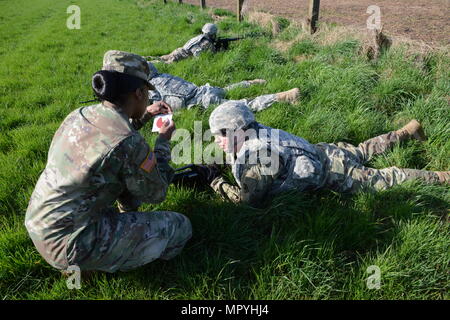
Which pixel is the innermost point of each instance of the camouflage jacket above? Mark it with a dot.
(173, 90)
(199, 44)
(95, 155)
(272, 162)
(180, 93)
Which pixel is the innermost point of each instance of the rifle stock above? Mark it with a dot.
(224, 43)
(196, 176)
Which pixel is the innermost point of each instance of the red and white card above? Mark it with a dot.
(159, 120)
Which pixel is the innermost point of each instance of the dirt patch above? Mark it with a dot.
(424, 20)
(265, 20)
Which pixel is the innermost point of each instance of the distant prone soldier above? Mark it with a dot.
(266, 161)
(194, 47)
(97, 157)
(179, 93)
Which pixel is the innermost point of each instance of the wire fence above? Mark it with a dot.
(312, 19)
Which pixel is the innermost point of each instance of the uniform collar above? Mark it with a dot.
(108, 118)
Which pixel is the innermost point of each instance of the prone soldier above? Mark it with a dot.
(292, 163)
(194, 47)
(179, 93)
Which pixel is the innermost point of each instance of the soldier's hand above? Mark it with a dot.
(209, 172)
(159, 107)
(167, 129)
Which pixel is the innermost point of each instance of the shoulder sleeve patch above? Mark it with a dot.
(149, 162)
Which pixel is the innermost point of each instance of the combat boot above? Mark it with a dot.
(427, 176)
(444, 176)
(412, 130)
(290, 96)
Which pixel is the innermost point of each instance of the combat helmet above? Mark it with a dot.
(231, 115)
(209, 29)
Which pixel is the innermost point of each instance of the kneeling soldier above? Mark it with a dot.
(97, 157)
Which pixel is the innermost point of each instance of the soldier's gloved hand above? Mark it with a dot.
(159, 107)
(214, 172)
(167, 129)
(216, 184)
(209, 172)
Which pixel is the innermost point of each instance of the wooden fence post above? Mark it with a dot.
(203, 3)
(313, 16)
(239, 9)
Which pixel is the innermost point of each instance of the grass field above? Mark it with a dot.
(304, 246)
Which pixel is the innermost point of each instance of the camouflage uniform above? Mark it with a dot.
(304, 166)
(193, 47)
(97, 157)
(347, 173)
(179, 93)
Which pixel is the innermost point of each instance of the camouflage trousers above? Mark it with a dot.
(260, 103)
(176, 55)
(207, 95)
(346, 171)
(257, 104)
(124, 241)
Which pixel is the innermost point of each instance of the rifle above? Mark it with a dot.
(196, 176)
(224, 43)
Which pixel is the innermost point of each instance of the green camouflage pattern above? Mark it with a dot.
(210, 29)
(180, 93)
(256, 183)
(176, 55)
(94, 159)
(339, 167)
(194, 47)
(260, 103)
(231, 115)
(125, 241)
(128, 63)
(347, 173)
